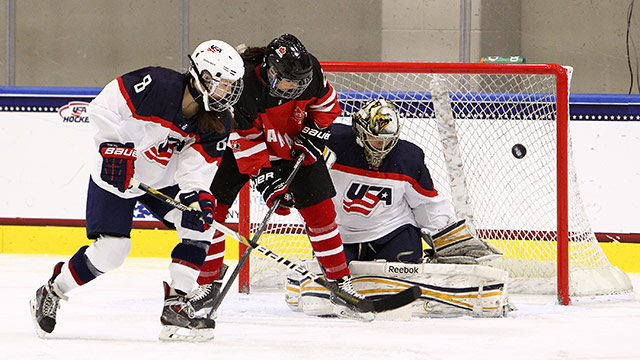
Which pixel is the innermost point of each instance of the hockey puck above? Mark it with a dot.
(519, 151)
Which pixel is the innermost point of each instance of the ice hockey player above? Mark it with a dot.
(169, 130)
(386, 202)
(285, 110)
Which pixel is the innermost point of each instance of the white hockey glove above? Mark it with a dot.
(453, 244)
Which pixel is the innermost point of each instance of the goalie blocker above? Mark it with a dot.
(448, 290)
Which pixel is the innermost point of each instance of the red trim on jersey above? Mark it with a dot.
(154, 119)
(384, 175)
(280, 124)
(250, 162)
(160, 121)
(324, 118)
(208, 158)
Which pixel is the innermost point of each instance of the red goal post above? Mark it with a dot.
(458, 93)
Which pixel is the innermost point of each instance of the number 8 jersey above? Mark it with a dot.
(145, 107)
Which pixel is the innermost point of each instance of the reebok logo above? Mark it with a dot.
(403, 269)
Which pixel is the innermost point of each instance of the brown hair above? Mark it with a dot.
(208, 121)
(254, 55)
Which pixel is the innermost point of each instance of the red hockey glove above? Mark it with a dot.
(271, 185)
(311, 142)
(117, 164)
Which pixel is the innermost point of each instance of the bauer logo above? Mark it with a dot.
(74, 112)
(393, 269)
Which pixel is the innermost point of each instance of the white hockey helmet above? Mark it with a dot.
(217, 71)
(377, 129)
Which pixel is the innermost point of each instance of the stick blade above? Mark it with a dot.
(398, 300)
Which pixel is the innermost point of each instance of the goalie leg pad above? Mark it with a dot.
(302, 294)
(448, 290)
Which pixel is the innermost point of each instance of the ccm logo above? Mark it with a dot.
(316, 133)
(118, 151)
(402, 270)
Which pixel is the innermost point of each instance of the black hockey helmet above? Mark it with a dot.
(286, 58)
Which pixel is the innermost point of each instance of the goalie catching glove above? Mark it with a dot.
(117, 164)
(271, 185)
(311, 141)
(201, 216)
(453, 244)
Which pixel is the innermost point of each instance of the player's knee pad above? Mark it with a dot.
(190, 252)
(108, 252)
(187, 259)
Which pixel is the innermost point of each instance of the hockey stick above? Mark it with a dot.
(386, 303)
(245, 256)
(330, 159)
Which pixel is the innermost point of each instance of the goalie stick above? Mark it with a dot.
(386, 303)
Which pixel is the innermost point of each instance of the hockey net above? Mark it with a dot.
(467, 118)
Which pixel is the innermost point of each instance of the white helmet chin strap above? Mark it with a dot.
(217, 79)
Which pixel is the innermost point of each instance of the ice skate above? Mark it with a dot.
(203, 298)
(179, 321)
(46, 304)
(344, 309)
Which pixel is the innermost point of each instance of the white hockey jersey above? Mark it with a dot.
(145, 107)
(372, 203)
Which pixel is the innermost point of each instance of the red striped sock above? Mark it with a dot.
(325, 238)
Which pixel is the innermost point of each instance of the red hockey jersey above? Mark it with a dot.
(266, 126)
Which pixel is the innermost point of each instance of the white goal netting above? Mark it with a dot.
(467, 122)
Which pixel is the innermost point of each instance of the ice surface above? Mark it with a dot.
(117, 317)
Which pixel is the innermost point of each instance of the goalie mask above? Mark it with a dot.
(289, 67)
(217, 70)
(377, 129)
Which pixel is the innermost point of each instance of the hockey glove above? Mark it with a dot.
(206, 201)
(311, 142)
(454, 244)
(271, 185)
(117, 164)
(201, 215)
